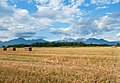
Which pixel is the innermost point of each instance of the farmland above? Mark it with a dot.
(61, 65)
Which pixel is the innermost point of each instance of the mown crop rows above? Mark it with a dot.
(61, 65)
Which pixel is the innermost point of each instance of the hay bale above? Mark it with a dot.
(28, 49)
(4, 49)
(12, 49)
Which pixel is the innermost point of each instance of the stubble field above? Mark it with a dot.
(61, 65)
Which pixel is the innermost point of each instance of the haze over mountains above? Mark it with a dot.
(90, 40)
(20, 41)
(87, 41)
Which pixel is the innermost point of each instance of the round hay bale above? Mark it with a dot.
(28, 49)
(12, 49)
(4, 49)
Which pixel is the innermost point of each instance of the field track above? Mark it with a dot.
(61, 65)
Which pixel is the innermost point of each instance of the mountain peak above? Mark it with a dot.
(80, 40)
(87, 41)
(21, 38)
(66, 40)
(21, 41)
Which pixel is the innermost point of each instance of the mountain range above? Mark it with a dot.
(87, 41)
(20, 41)
(90, 40)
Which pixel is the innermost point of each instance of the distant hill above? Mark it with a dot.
(90, 40)
(100, 41)
(21, 41)
(87, 41)
(80, 40)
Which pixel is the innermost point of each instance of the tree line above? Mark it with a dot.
(58, 44)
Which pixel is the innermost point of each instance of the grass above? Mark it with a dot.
(61, 65)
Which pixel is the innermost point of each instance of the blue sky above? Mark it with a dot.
(58, 19)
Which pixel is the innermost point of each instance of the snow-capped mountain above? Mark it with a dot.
(88, 41)
(66, 40)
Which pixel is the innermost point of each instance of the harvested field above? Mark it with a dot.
(61, 65)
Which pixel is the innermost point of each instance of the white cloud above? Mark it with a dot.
(55, 11)
(19, 23)
(42, 1)
(103, 2)
(80, 28)
(55, 3)
(107, 25)
(79, 2)
(45, 12)
(6, 35)
(118, 35)
(103, 7)
(115, 1)
(21, 12)
(64, 32)
(103, 22)
(15, 22)
(5, 10)
(107, 22)
(97, 2)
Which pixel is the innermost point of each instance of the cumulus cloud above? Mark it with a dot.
(5, 10)
(103, 2)
(16, 22)
(114, 14)
(64, 32)
(55, 10)
(80, 28)
(118, 35)
(103, 7)
(108, 22)
(102, 22)
(88, 27)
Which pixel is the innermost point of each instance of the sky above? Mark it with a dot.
(58, 19)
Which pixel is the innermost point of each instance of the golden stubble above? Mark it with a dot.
(61, 65)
